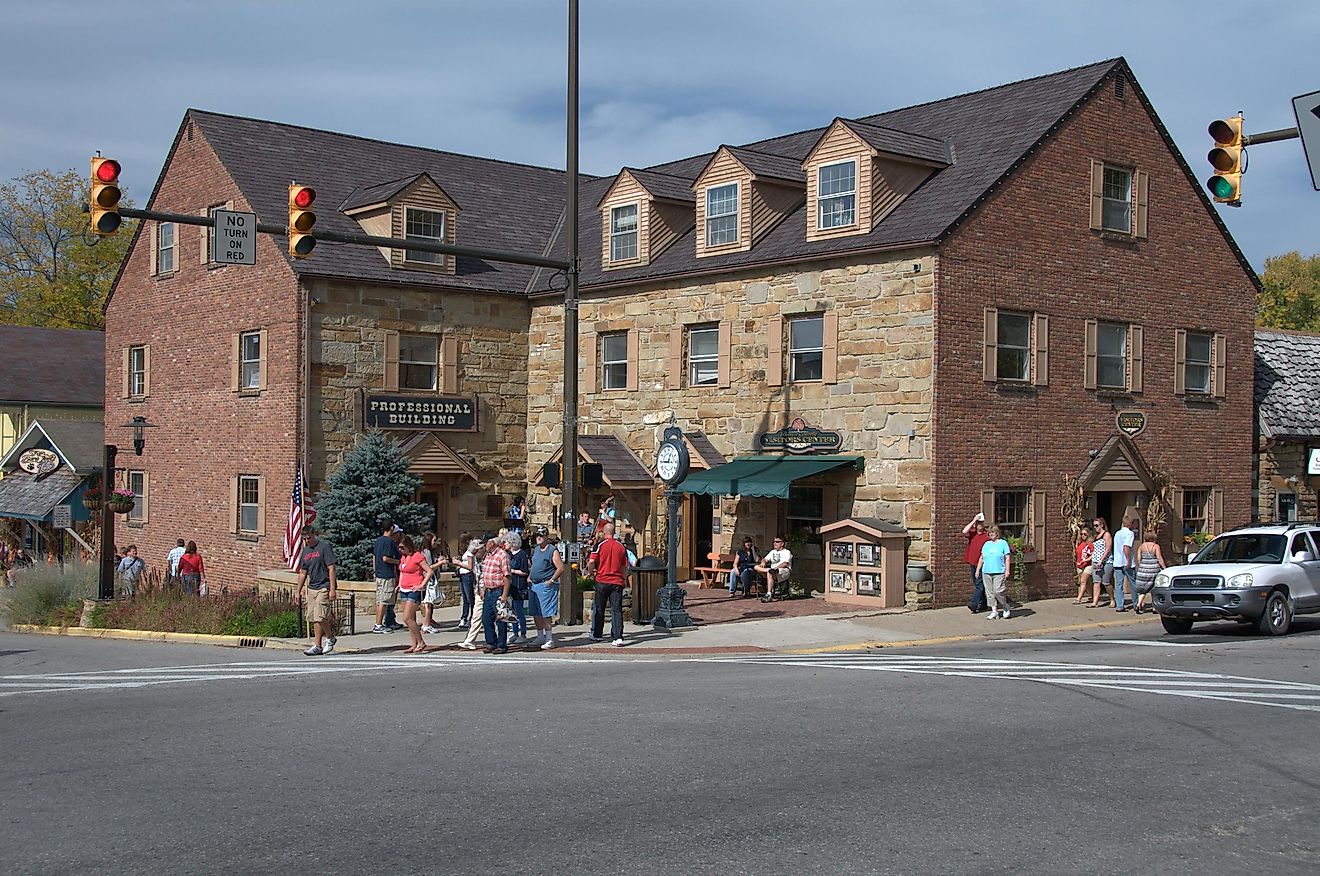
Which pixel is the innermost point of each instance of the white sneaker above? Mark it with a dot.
(467, 646)
(313, 652)
(431, 629)
(994, 615)
(1006, 614)
(329, 644)
(618, 643)
(548, 643)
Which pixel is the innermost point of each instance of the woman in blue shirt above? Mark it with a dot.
(996, 562)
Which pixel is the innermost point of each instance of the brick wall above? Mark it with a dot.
(1030, 248)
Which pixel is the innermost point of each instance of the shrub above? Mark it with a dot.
(44, 594)
(229, 614)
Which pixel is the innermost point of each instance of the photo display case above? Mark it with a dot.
(865, 562)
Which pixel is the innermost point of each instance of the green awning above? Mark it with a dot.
(767, 476)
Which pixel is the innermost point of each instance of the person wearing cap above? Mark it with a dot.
(317, 585)
(547, 567)
(520, 570)
(385, 553)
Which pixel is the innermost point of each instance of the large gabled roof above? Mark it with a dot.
(52, 366)
(1287, 384)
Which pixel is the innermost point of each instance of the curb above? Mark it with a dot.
(153, 636)
(970, 637)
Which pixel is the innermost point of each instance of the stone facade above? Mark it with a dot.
(1281, 468)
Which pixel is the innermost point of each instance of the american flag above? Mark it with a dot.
(293, 535)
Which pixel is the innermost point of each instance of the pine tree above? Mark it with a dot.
(370, 486)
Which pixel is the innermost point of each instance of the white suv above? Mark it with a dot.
(1261, 575)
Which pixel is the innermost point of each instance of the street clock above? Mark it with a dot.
(672, 461)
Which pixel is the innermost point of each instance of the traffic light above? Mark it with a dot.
(552, 475)
(593, 474)
(301, 220)
(1226, 159)
(105, 196)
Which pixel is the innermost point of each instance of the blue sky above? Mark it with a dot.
(660, 80)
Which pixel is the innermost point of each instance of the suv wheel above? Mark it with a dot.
(1176, 625)
(1277, 617)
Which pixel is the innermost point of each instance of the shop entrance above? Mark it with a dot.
(1114, 505)
(701, 528)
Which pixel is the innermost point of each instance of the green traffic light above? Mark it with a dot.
(1220, 187)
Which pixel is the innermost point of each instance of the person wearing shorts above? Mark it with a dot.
(1102, 561)
(385, 558)
(317, 584)
(547, 567)
(1084, 550)
(414, 573)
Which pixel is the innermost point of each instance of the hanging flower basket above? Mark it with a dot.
(93, 501)
(120, 502)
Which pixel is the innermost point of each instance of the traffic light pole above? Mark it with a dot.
(570, 597)
(1271, 136)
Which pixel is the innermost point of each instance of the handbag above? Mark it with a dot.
(434, 595)
(504, 612)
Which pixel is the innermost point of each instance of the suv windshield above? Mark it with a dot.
(1246, 548)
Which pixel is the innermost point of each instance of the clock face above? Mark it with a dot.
(667, 462)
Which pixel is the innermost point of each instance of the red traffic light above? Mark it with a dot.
(107, 171)
(304, 197)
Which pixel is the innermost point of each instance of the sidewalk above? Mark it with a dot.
(813, 632)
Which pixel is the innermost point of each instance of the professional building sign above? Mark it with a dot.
(1130, 423)
(438, 413)
(38, 461)
(798, 437)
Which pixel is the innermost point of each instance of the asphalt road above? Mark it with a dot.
(1078, 754)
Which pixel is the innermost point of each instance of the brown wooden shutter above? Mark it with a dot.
(674, 379)
(634, 345)
(235, 361)
(153, 234)
(1135, 352)
(1040, 351)
(830, 355)
(146, 498)
(588, 351)
(1088, 379)
(1180, 362)
(146, 370)
(988, 506)
(1215, 512)
(126, 383)
(1097, 193)
(774, 351)
(233, 504)
(1219, 363)
(1038, 527)
(990, 358)
(726, 353)
(1175, 527)
(262, 339)
(261, 505)
(391, 378)
(450, 347)
(1143, 186)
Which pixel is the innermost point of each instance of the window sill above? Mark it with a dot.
(135, 524)
(137, 399)
(248, 393)
(1017, 387)
(211, 266)
(167, 275)
(1199, 402)
(1114, 394)
(1115, 236)
(247, 536)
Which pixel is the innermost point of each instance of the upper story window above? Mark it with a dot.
(165, 240)
(1116, 211)
(1111, 355)
(806, 347)
(1197, 368)
(137, 482)
(249, 504)
(614, 360)
(418, 362)
(249, 360)
(1013, 353)
(722, 215)
(623, 233)
(837, 194)
(703, 355)
(419, 224)
(137, 371)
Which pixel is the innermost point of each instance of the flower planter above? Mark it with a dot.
(92, 504)
(120, 506)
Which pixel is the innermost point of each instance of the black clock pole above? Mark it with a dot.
(671, 615)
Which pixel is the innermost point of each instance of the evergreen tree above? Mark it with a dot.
(370, 486)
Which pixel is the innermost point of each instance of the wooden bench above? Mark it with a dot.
(717, 573)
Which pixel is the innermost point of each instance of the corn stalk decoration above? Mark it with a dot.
(1161, 499)
(1073, 505)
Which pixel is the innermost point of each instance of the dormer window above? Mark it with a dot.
(623, 233)
(428, 225)
(838, 194)
(722, 215)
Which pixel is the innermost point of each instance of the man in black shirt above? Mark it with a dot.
(318, 585)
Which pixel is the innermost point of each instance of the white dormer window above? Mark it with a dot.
(623, 233)
(421, 224)
(722, 215)
(837, 194)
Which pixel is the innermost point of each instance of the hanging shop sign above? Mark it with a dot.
(1313, 461)
(798, 437)
(38, 461)
(1130, 423)
(436, 413)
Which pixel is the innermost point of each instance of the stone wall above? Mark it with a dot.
(1281, 466)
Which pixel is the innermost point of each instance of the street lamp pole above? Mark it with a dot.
(570, 597)
(106, 582)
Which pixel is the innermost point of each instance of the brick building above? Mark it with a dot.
(954, 301)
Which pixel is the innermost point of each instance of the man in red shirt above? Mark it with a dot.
(608, 564)
(976, 537)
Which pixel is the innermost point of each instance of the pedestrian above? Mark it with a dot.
(414, 573)
(608, 564)
(776, 566)
(437, 557)
(995, 565)
(494, 592)
(318, 586)
(1150, 562)
(744, 568)
(19, 560)
(476, 623)
(585, 528)
(1125, 565)
(172, 563)
(130, 570)
(467, 578)
(1102, 561)
(385, 555)
(976, 537)
(546, 569)
(520, 569)
(190, 569)
(1083, 552)
(516, 517)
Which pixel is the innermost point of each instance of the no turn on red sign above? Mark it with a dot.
(234, 241)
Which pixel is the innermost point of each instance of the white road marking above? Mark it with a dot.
(1147, 643)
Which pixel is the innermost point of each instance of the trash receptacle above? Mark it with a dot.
(648, 576)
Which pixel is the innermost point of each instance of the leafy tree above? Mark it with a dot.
(53, 272)
(370, 486)
(1290, 298)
